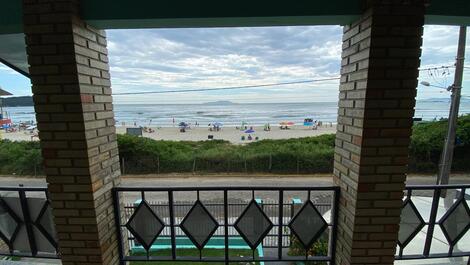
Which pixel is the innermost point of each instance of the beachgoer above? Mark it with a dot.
(249, 137)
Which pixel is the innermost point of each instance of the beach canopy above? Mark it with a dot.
(250, 131)
(286, 123)
(308, 122)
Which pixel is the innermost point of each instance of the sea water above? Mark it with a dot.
(166, 115)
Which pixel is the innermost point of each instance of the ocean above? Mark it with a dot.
(234, 114)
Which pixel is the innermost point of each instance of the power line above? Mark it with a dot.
(228, 88)
(437, 67)
(252, 86)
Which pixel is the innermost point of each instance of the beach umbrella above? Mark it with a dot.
(183, 124)
(250, 131)
(290, 123)
(217, 124)
(31, 127)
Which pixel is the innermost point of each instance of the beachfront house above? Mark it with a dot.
(83, 216)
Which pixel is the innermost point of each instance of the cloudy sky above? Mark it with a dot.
(173, 59)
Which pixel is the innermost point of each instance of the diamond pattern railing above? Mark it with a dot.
(27, 228)
(165, 232)
(456, 222)
(308, 224)
(253, 224)
(435, 222)
(199, 225)
(411, 223)
(145, 225)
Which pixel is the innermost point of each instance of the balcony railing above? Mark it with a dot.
(239, 224)
(434, 222)
(231, 224)
(26, 223)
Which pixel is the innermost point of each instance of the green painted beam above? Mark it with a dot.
(11, 14)
(222, 22)
(151, 9)
(113, 14)
(126, 14)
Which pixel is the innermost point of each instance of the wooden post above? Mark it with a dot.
(123, 166)
(158, 164)
(270, 162)
(298, 166)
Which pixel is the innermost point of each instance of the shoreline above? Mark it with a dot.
(231, 134)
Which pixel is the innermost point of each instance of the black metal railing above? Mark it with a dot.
(239, 224)
(229, 224)
(26, 223)
(270, 206)
(434, 222)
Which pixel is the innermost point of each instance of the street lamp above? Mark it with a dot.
(445, 162)
(426, 83)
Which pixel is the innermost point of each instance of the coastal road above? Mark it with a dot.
(224, 180)
(211, 180)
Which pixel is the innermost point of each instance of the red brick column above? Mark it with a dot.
(379, 71)
(72, 96)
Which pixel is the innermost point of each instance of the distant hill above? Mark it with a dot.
(220, 102)
(18, 101)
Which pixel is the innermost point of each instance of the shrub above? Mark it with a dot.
(302, 155)
(318, 248)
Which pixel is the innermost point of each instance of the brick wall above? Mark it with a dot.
(72, 96)
(379, 71)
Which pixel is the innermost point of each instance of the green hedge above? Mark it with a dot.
(303, 155)
(20, 158)
(427, 142)
(143, 155)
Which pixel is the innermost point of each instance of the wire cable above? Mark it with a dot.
(228, 88)
(253, 86)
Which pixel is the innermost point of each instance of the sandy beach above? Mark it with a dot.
(201, 133)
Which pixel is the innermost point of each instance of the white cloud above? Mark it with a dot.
(161, 59)
(152, 60)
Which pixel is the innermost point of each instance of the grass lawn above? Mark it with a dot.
(195, 253)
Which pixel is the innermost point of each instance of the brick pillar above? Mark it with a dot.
(72, 97)
(380, 60)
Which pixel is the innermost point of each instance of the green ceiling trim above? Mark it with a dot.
(447, 20)
(11, 17)
(113, 14)
(223, 22)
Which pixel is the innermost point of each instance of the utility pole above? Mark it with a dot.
(448, 151)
